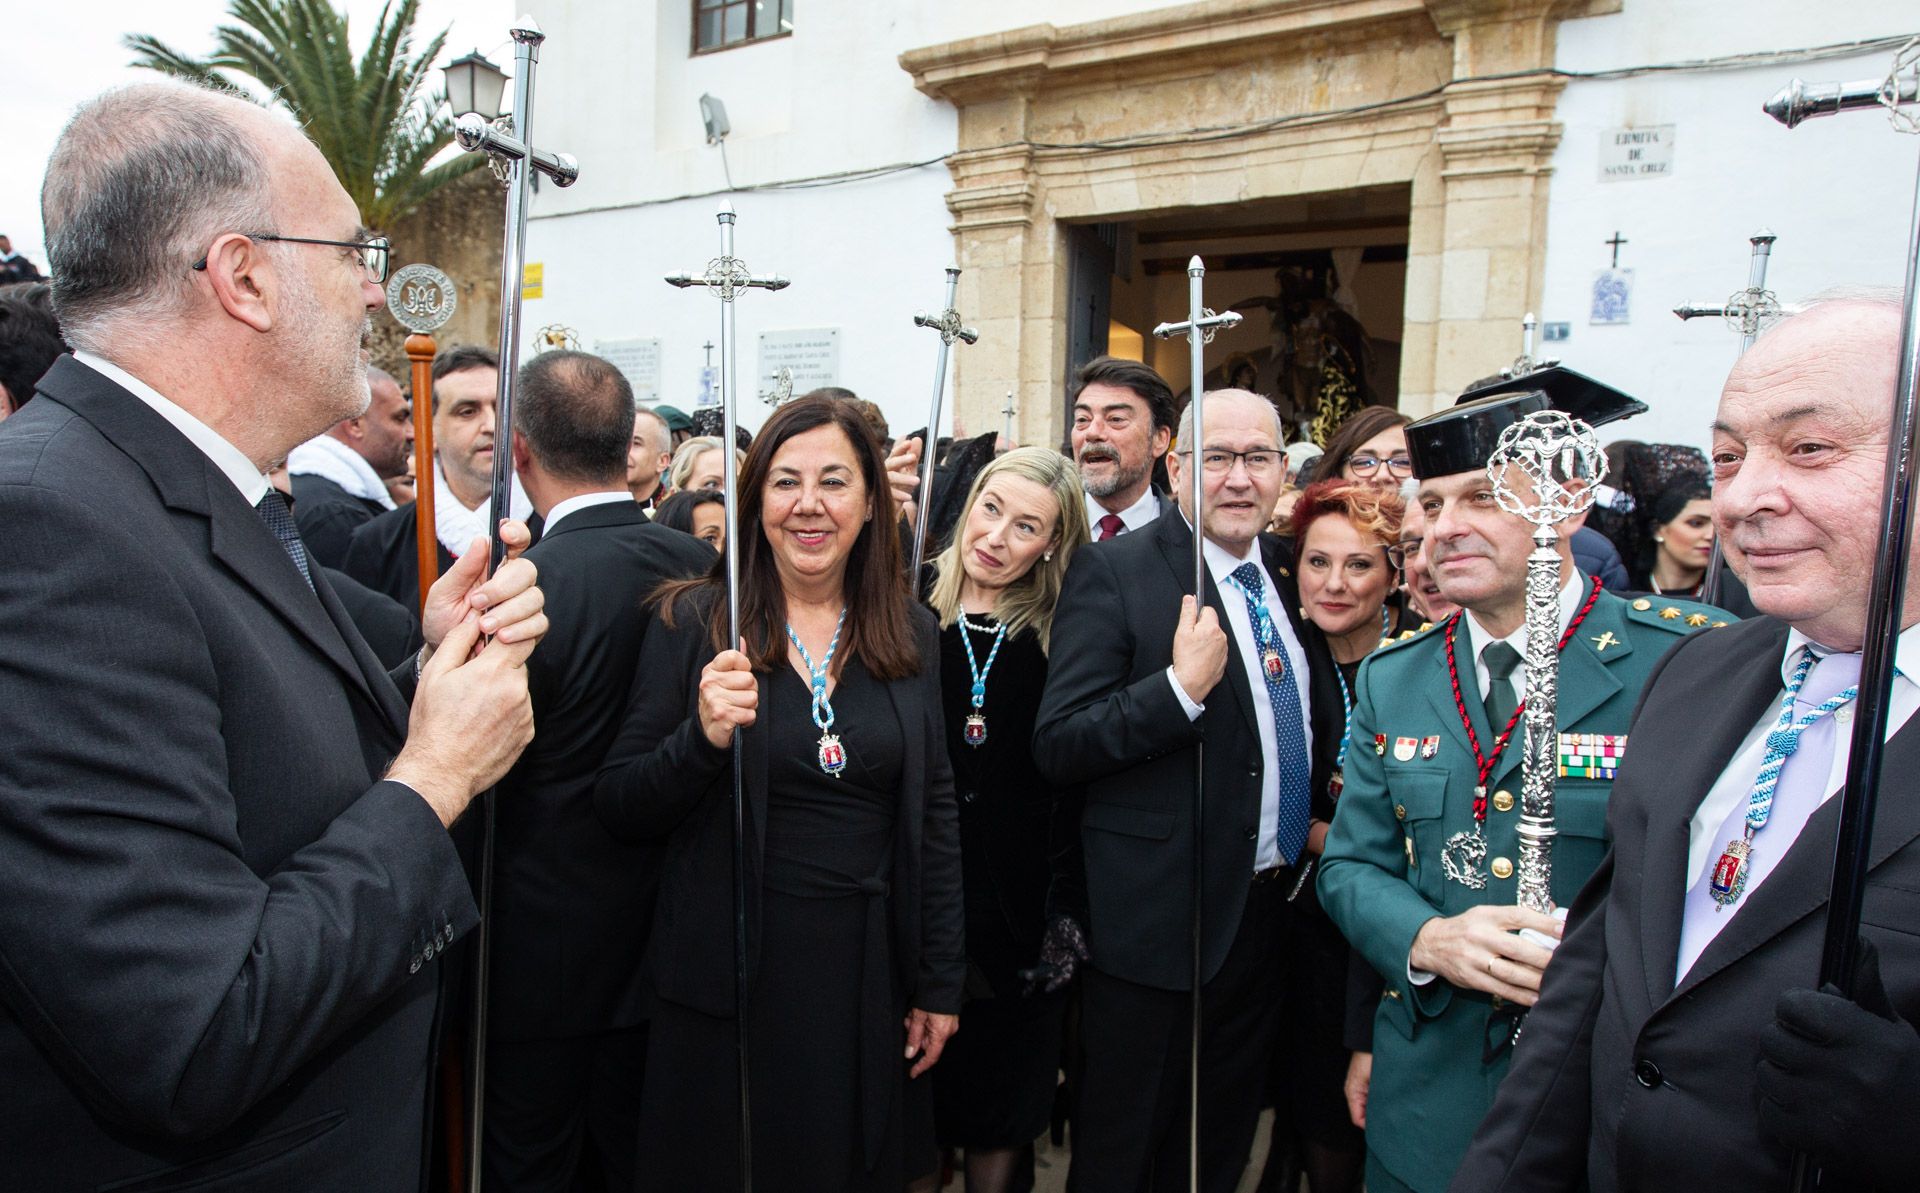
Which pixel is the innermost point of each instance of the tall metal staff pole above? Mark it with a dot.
(1853, 840)
(1748, 312)
(1200, 327)
(947, 323)
(725, 276)
(1561, 457)
(510, 154)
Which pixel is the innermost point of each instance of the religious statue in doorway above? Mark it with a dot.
(1316, 374)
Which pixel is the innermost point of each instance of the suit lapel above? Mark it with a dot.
(187, 481)
(1176, 547)
(386, 697)
(1801, 883)
(1741, 696)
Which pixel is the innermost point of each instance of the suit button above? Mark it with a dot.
(1502, 868)
(1503, 801)
(414, 965)
(966, 797)
(1253, 832)
(1647, 1073)
(1399, 811)
(1253, 772)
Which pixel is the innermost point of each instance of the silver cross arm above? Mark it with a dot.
(1800, 100)
(477, 136)
(1209, 323)
(725, 275)
(1748, 311)
(947, 322)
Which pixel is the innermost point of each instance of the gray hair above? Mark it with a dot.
(1186, 416)
(660, 438)
(140, 183)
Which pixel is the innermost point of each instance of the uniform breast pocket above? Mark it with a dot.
(1420, 804)
(1580, 813)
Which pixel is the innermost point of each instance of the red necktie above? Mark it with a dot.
(1110, 526)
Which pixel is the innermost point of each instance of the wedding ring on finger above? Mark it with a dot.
(1491, 958)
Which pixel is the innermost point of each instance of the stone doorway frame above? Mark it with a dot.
(1453, 98)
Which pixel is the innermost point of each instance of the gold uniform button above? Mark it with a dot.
(1399, 811)
(1502, 868)
(1503, 801)
(1642, 605)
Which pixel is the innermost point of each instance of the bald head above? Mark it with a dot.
(1799, 449)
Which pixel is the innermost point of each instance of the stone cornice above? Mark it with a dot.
(1022, 61)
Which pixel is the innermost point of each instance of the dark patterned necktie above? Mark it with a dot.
(1296, 768)
(273, 511)
(1110, 526)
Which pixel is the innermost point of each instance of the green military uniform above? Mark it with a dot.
(1410, 775)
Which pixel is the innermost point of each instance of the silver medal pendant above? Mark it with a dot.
(833, 756)
(1461, 857)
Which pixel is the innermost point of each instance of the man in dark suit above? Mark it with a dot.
(224, 864)
(340, 477)
(1123, 414)
(1136, 683)
(382, 553)
(1676, 1044)
(567, 1032)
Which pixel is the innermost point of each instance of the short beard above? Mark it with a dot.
(1122, 479)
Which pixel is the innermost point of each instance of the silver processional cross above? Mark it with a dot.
(948, 324)
(1199, 328)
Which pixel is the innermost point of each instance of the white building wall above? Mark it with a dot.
(1837, 191)
(619, 89)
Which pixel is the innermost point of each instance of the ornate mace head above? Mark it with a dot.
(1559, 454)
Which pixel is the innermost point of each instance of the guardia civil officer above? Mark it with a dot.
(1420, 870)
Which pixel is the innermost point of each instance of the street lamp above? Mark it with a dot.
(475, 85)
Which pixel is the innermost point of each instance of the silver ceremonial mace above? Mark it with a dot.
(1898, 93)
(1008, 410)
(1748, 312)
(1561, 458)
(508, 146)
(947, 323)
(725, 277)
(1200, 327)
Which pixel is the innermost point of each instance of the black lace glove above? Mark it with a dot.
(1839, 1079)
(1062, 950)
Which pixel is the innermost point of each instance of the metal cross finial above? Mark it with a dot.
(1201, 318)
(1008, 410)
(948, 324)
(726, 275)
(1616, 242)
(1750, 311)
(1799, 101)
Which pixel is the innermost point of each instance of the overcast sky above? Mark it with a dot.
(70, 51)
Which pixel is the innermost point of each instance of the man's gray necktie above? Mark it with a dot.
(273, 511)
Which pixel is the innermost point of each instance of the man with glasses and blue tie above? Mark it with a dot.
(225, 868)
(1420, 869)
(1138, 680)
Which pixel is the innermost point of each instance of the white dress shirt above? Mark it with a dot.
(1573, 594)
(581, 502)
(1220, 564)
(1736, 782)
(1132, 518)
(230, 460)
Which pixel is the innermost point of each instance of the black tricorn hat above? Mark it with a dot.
(1462, 437)
(1594, 403)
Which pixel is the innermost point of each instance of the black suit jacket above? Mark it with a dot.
(1624, 1077)
(382, 555)
(389, 627)
(662, 779)
(327, 516)
(571, 904)
(215, 920)
(1110, 722)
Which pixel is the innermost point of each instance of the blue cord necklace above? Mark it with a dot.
(833, 756)
(975, 733)
(1338, 782)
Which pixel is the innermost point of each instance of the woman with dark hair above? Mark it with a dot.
(1369, 448)
(855, 956)
(993, 590)
(1673, 559)
(701, 513)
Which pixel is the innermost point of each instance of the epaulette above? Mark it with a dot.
(1676, 616)
(1405, 637)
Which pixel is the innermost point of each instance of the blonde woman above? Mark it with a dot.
(993, 591)
(697, 464)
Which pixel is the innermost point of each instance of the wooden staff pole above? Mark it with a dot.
(421, 350)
